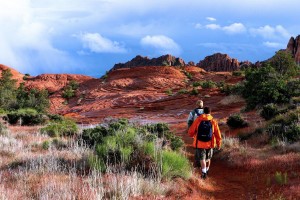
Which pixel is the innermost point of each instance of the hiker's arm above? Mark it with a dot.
(190, 119)
(217, 134)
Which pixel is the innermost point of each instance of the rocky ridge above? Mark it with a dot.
(219, 62)
(140, 61)
(293, 47)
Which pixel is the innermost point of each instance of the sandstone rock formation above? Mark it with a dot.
(54, 82)
(219, 62)
(16, 75)
(140, 61)
(294, 48)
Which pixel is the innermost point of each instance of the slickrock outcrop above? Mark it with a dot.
(54, 82)
(294, 48)
(219, 62)
(140, 61)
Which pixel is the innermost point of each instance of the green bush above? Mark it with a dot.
(236, 121)
(208, 84)
(183, 91)
(194, 92)
(169, 92)
(197, 84)
(46, 145)
(67, 127)
(121, 144)
(265, 85)
(237, 73)
(285, 126)
(175, 165)
(26, 116)
(3, 129)
(269, 111)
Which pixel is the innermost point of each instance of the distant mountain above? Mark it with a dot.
(140, 61)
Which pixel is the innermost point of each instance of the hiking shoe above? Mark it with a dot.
(207, 172)
(203, 175)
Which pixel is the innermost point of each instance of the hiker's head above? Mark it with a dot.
(207, 110)
(199, 104)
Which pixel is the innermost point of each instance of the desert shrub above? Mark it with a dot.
(46, 145)
(95, 135)
(33, 98)
(285, 126)
(183, 91)
(194, 91)
(197, 84)
(208, 84)
(122, 144)
(69, 90)
(59, 144)
(236, 121)
(269, 111)
(26, 116)
(169, 92)
(265, 85)
(3, 129)
(55, 117)
(188, 75)
(237, 73)
(281, 178)
(175, 165)
(67, 127)
(176, 143)
(293, 86)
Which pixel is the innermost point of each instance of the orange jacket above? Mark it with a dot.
(216, 138)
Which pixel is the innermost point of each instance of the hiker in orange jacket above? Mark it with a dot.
(204, 149)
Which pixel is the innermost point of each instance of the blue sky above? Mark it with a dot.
(90, 36)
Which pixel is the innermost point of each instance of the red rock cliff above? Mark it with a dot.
(219, 62)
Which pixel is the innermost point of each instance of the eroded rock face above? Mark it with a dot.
(219, 62)
(140, 61)
(294, 48)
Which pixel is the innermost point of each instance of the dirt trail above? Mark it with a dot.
(224, 181)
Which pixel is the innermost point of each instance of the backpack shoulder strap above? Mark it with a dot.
(197, 112)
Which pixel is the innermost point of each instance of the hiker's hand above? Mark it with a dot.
(218, 148)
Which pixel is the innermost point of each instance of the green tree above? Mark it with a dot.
(264, 85)
(7, 90)
(284, 63)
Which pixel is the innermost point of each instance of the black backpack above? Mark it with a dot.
(204, 131)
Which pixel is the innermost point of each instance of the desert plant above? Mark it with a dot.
(194, 91)
(236, 121)
(183, 91)
(3, 129)
(46, 145)
(237, 73)
(281, 178)
(67, 127)
(269, 111)
(208, 84)
(27, 116)
(169, 92)
(95, 135)
(175, 165)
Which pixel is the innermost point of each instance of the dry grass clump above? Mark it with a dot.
(62, 172)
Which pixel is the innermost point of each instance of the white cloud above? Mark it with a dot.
(211, 19)
(234, 28)
(99, 44)
(213, 26)
(163, 44)
(270, 32)
(273, 45)
(198, 26)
